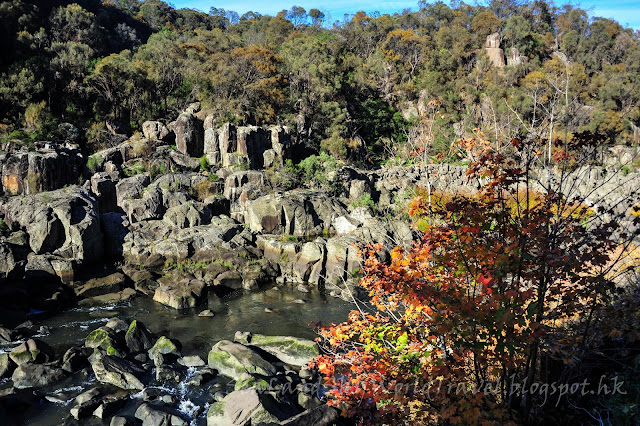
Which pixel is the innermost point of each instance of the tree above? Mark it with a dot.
(504, 288)
(317, 17)
(297, 15)
(73, 23)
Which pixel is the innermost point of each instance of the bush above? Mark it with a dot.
(204, 164)
(4, 229)
(93, 162)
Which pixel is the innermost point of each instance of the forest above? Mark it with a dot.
(462, 178)
(359, 88)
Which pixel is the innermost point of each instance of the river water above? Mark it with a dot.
(276, 311)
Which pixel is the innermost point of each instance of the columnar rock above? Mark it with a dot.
(514, 57)
(189, 135)
(228, 143)
(252, 143)
(103, 185)
(493, 50)
(211, 146)
(48, 168)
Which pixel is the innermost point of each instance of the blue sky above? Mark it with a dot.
(627, 12)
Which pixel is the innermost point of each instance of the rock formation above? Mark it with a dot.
(493, 50)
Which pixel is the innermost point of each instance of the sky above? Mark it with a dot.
(627, 12)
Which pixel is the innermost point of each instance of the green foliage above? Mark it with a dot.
(313, 170)
(364, 201)
(93, 162)
(135, 169)
(4, 229)
(350, 90)
(204, 164)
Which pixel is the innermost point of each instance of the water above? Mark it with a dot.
(245, 312)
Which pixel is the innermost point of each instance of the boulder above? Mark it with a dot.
(155, 130)
(322, 415)
(297, 213)
(8, 262)
(180, 295)
(63, 222)
(233, 360)
(109, 298)
(189, 135)
(291, 350)
(99, 286)
(138, 338)
(36, 375)
(107, 339)
(248, 406)
(187, 215)
(149, 206)
(151, 415)
(32, 351)
(6, 365)
(117, 372)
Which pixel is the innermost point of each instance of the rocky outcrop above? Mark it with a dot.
(63, 222)
(47, 168)
(514, 58)
(155, 130)
(493, 50)
(189, 135)
(233, 360)
(297, 213)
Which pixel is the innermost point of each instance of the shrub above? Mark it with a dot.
(93, 162)
(204, 164)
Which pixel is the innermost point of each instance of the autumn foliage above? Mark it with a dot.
(503, 288)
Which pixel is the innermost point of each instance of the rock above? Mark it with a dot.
(131, 188)
(188, 215)
(493, 51)
(85, 396)
(85, 409)
(319, 416)
(243, 337)
(164, 346)
(32, 351)
(75, 358)
(107, 339)
(63, 222)
(137, 337)
(167, 373)
(48, 168)
(252, 142)
(155, 130)
(149, 206)
(191, 361)
(242, 187)
(119, 421)
(103, 186)
(217, 204)
(292, 350)
(155, 416)
(6, 365)
(114, 228)
(99, 286)
(35, 375)
(189, 135)
(293, 213)
(109, 298)
(117, 372)
(207, 313)
(229, 279)
(248, 406)
(234, 359)
(202, 376)
(8, 262)
(180, 295)
(345, 225)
